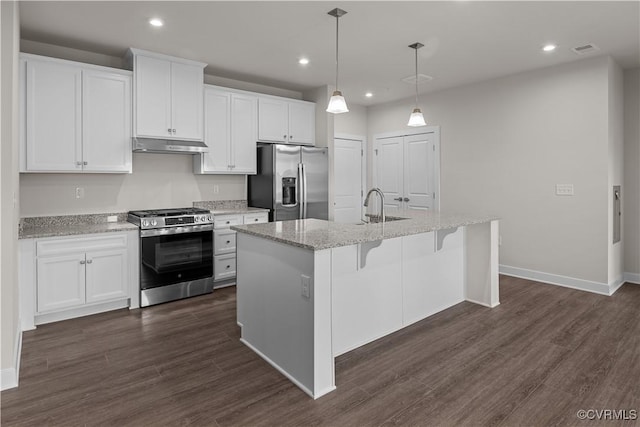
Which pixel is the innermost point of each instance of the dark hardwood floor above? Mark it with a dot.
(536, 359)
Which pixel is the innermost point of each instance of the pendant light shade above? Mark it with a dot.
(337, 104)
(416, 118)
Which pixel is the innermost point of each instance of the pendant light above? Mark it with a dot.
(416, 118)
(337, 104)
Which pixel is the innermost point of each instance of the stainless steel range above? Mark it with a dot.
(176, 253)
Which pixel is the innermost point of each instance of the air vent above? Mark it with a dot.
(587, 48)
(421, 79)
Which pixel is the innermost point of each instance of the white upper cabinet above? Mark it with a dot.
(74, 117)
(286, 121)
(231, 119)
(106, 115)
(168, 96)
(53, 116)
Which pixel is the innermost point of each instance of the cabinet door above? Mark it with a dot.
(217, 131)
(389, 177)
(244, 120)
(106, 111)
(419, 189)
(187, 85)
(302, 120)
(106, 275)
(54, 115)
(152, 97)
(61, 282)
(273, 120)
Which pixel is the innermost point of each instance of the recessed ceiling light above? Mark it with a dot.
(368, 94)
(303, 61)
(156, 22)
(549, 47)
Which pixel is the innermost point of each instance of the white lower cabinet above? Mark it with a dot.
(224, 245)
(67, 277)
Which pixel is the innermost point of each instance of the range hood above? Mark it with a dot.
(151, 145)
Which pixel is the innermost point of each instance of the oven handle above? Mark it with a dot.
(176, 230)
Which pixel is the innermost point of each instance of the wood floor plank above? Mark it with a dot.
(536, 359)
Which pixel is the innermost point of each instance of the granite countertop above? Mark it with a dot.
(71, 225)
(317, 234)
(35, 232)
(238, 211)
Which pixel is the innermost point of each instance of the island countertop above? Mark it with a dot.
(317, 234)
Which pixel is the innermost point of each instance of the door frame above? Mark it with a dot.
(435, 130)
(363, 166)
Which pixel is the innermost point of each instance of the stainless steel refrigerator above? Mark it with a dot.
(292, 181)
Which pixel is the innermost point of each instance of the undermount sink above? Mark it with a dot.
(375, 219)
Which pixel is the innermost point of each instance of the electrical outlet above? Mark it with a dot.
(306, 286)
(79, 192)
(216, 189)
(564, 189)
(112, 218)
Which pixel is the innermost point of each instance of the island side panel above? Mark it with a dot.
(324, 362)
(482, 259)
(277, 320)
(433, 278)
(366, 292)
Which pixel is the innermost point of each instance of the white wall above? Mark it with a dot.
(158, 180)
(506, 142)
(352, 123)
(631, 188)
(10, 338)
(616, 166)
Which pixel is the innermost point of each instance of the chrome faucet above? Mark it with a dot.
(366, 201)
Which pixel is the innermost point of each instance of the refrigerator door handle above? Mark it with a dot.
(299, 188)
(304, 191)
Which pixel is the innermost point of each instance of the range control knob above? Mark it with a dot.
(209, 218)
(154, 222)
(145, 223)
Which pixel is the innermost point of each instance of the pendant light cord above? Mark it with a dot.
(416, 77)
(337, 25)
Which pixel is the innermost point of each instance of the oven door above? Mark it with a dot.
(175, 255)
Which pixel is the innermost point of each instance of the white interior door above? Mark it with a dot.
(419, 156)
(348, 155)
(389, 161)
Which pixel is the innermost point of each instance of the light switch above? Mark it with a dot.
(564, 189)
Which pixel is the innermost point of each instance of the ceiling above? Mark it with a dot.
(261, 42)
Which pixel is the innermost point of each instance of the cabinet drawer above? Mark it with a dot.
(256, 218)
(224, 242)
(226, 221)
(80, 244)
(224, 266)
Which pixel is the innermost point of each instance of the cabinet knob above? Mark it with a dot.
(228, 222)
(256, 219)
(228, 266)
(228, 241)
(399, 199)
(406, 199)
(290, 136)
(169, 130)
(174, 131)
(83, 262)
(89, 261)
(85, 163)
(284, 136)
(78, 163)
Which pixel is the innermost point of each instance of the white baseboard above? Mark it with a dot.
(632, 278)
(568, 282)
(9, 376)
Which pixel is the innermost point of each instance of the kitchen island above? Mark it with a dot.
(310, 290)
